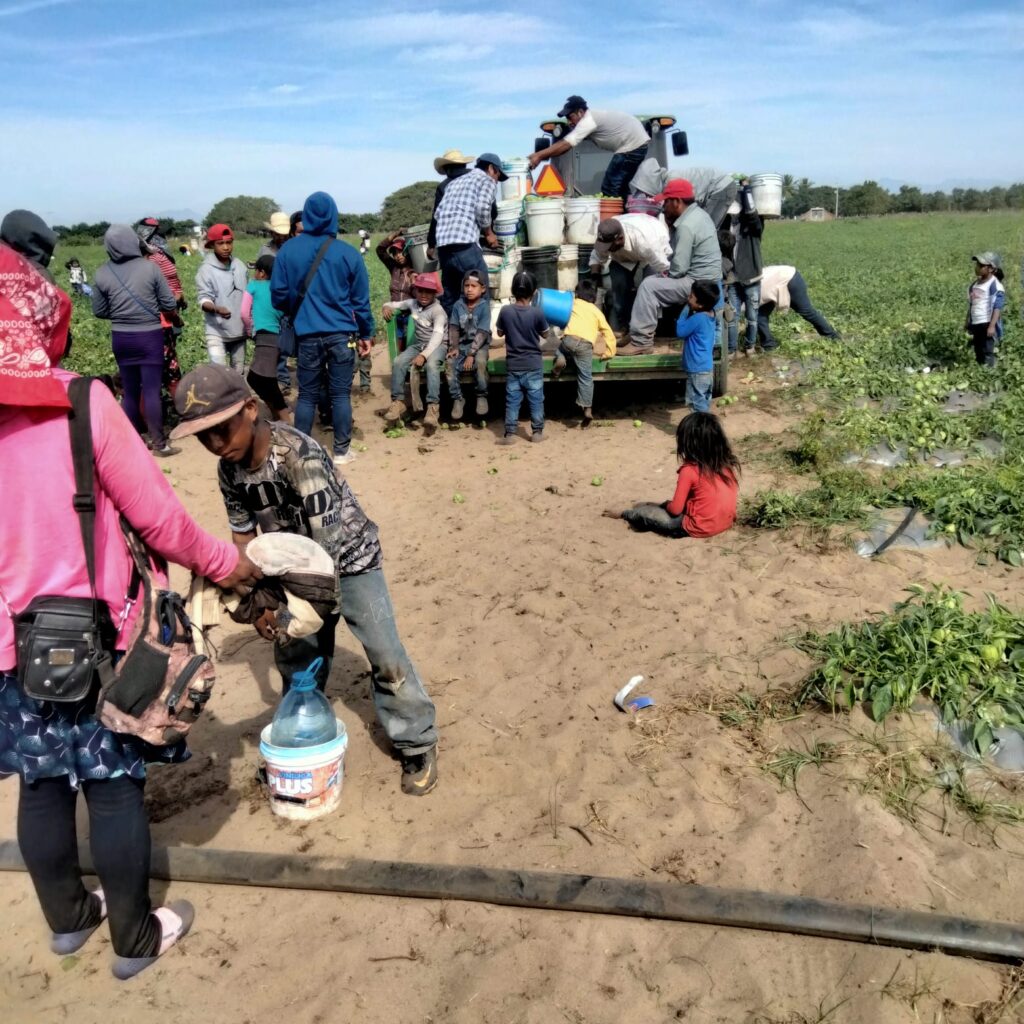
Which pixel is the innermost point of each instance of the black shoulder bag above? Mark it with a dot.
(65, 644)
(286, 334)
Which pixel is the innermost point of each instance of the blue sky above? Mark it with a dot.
(114, 109)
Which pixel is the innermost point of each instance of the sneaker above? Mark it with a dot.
(66, 943)
(166, 452)
(345, 458)
(482, 408)
(507, 439)
(175, 920)
(430, 418)
(419, 772)
(458, 408)
(558, 365)
(395, 411)
(537, 437)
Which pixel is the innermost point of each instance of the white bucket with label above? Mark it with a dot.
(545, 222)
(581, 219)
(767, 192)
(304, 783)
(519, 184)
(507, 229)
(568, 268)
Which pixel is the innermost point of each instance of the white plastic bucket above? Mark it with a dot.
(581, 219)
(568, 268)
(519, 183)
(545, 222)
(304, 783)
(507, 230)
(767, 192)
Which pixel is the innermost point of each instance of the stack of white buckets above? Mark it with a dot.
(566, 223)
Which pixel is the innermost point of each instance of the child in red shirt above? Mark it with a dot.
(705, 500)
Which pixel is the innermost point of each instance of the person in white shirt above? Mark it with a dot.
(782, 288)
(636, 245)
(986, 298)
(622, 134)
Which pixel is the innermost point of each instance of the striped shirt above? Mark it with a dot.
(465, 208)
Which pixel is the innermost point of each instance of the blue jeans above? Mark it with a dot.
(530, 383)
(455, 260)
(331, 357)
(284, 377)
(620, 171)
(454, 370)
(748, 295)
(698, 390)
(800, 302)
(404, 709)
(400, 371)
(581, 354)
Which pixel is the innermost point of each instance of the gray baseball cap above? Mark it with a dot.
(988, 259)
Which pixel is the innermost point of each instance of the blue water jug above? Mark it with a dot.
(304, 718)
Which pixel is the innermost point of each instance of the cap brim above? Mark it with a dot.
(186, 428)
(502, 176)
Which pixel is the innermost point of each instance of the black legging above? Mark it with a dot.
(120, 844)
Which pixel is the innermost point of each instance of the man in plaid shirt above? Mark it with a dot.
(466, 210)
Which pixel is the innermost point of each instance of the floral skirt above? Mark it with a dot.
(43, 740)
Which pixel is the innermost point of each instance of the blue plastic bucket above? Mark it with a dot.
(555, 305)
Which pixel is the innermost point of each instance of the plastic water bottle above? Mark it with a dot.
(304, 718)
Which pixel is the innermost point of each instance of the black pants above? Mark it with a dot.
(800, 302)
(647, 516)
(119, 840)
(984, 346)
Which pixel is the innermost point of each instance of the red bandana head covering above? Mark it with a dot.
(34, 319)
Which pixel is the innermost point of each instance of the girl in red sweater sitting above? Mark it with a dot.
(705, 500)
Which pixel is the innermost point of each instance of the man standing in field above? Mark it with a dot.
(696, 256)
(623, 134)
(329, 305)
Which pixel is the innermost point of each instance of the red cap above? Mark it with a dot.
(428, 281)
(677, 188)
(217, 233)
(398, 243)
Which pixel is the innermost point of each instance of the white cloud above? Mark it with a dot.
(428, 27)
(286, 89)
(10, 10)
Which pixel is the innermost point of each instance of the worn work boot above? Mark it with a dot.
(482, 408)
(430, 418)
(458, 408)
(396, 410)
(419, 772)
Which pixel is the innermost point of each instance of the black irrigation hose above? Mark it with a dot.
(583, 893)
(898, 532)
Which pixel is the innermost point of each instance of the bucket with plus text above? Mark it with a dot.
(304, 783)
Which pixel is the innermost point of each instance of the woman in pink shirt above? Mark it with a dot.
(57, 748)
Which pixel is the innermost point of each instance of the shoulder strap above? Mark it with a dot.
(312, 273)
(138, 302)
(84, 501)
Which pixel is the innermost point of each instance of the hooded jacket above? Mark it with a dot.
(27, 233)
(129, 290)
(223, 285)
(746, 229)
(338, 299)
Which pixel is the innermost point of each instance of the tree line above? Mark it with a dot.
(871, 199)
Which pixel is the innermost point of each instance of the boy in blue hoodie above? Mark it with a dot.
(696, 326)
(332, 318)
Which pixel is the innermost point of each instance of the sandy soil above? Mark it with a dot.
(525, 611)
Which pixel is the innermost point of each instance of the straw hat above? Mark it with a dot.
(451, 156)
(279, 223)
